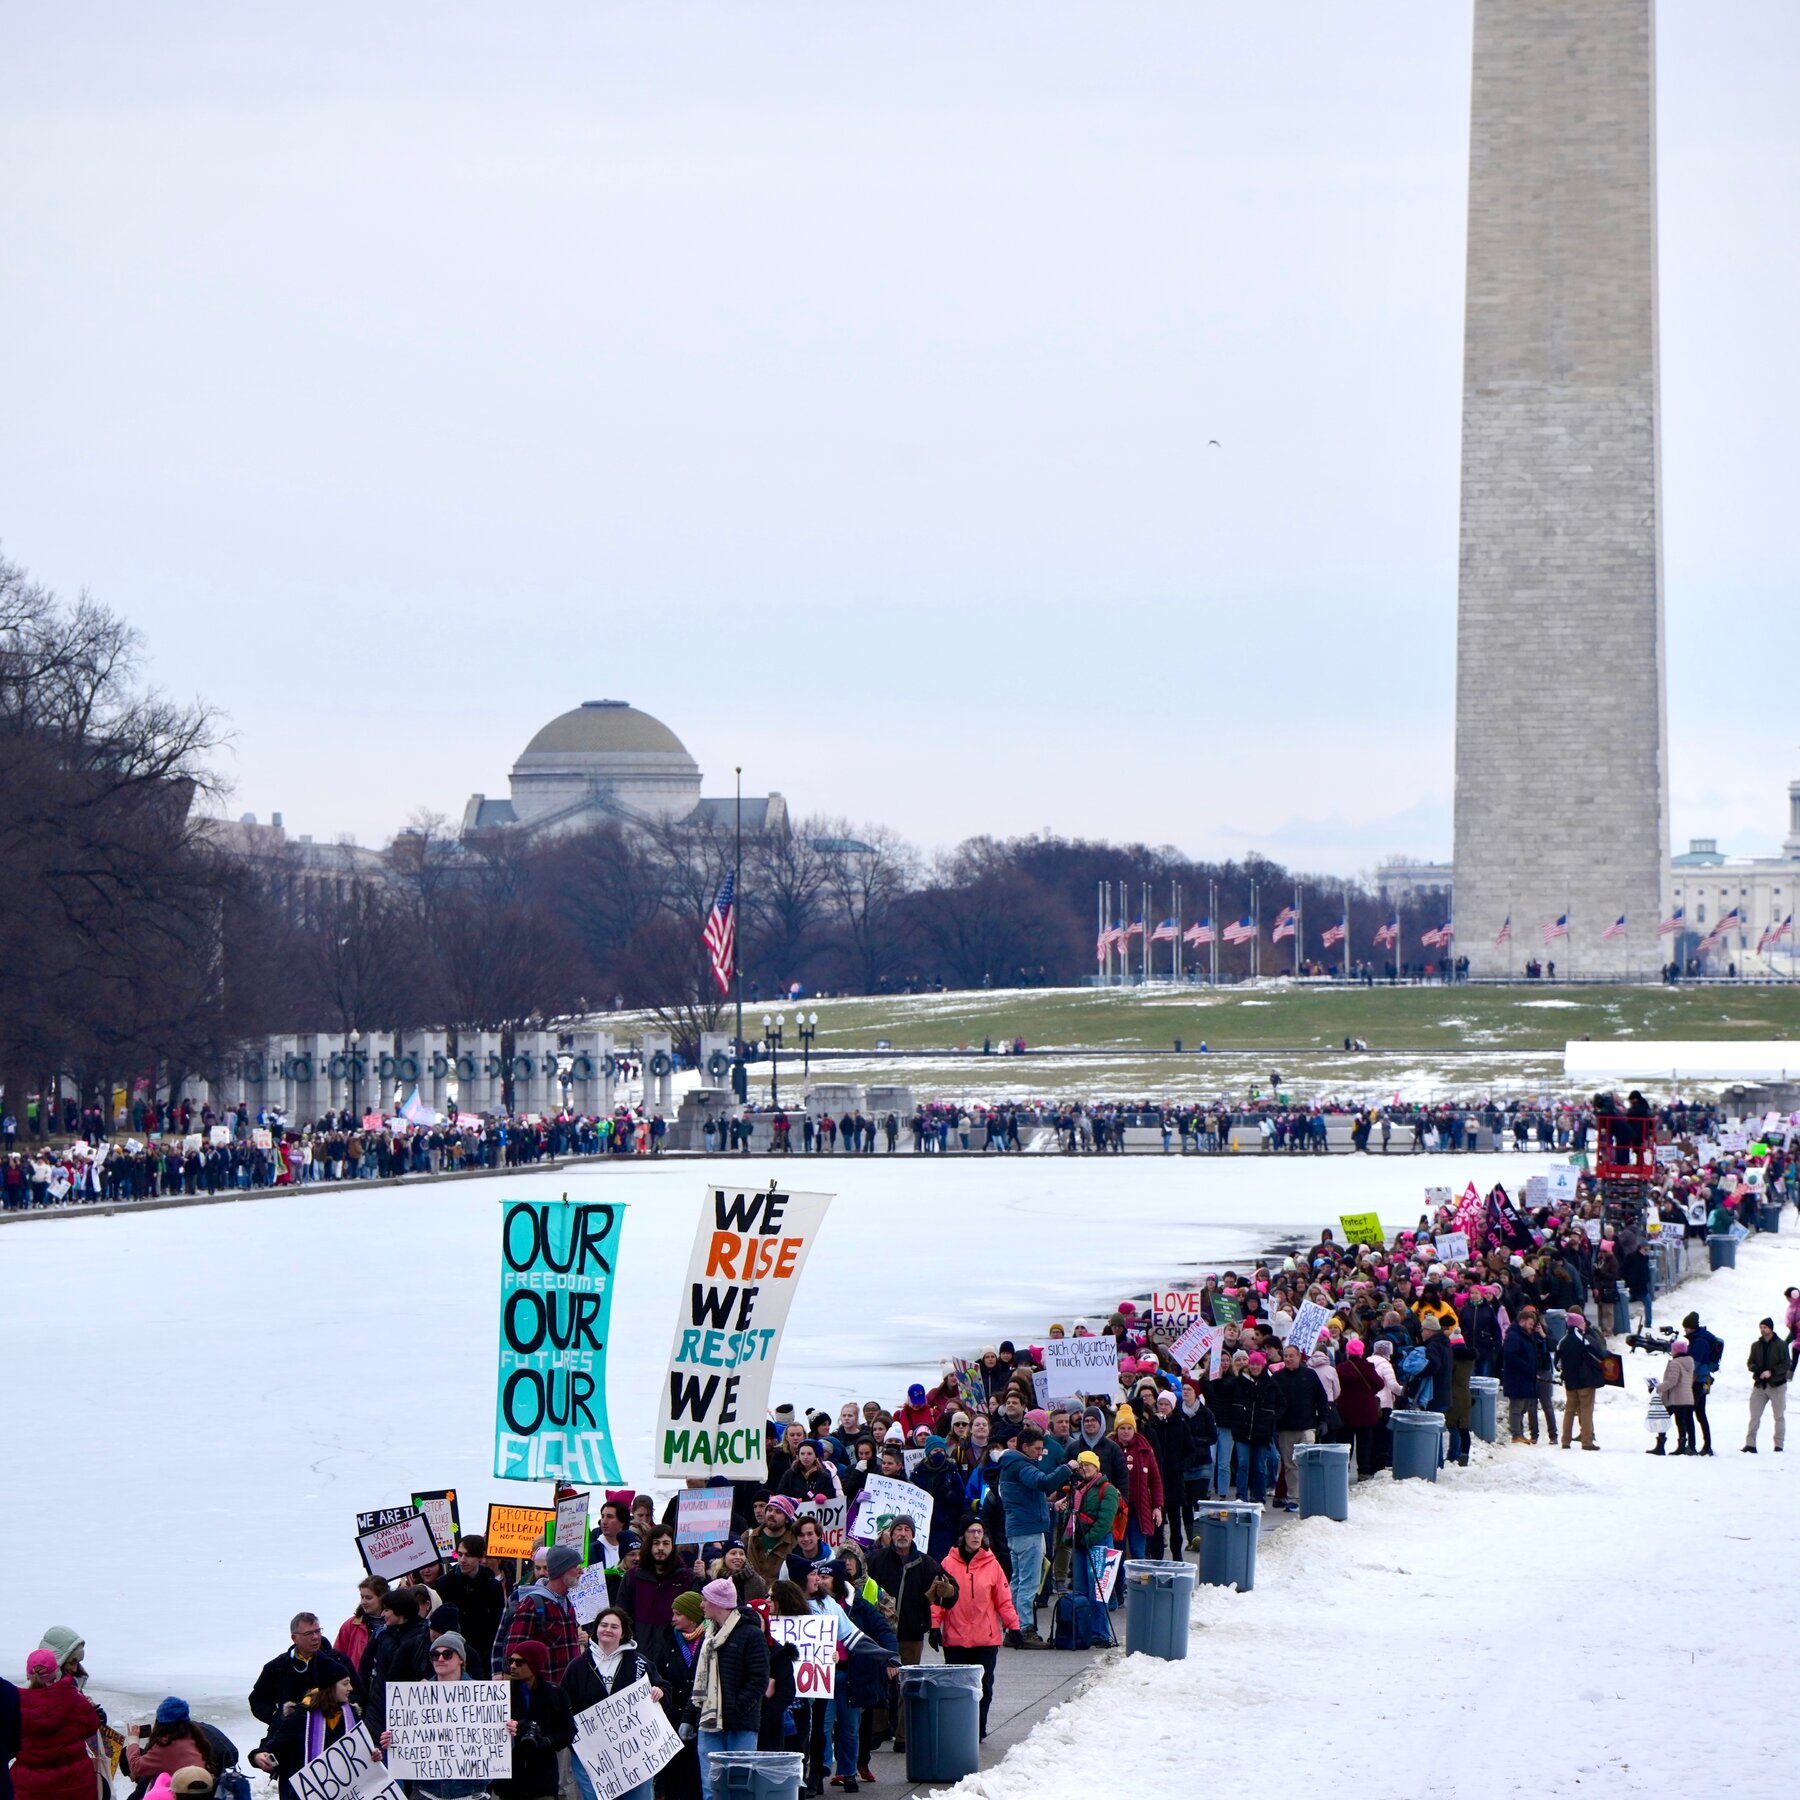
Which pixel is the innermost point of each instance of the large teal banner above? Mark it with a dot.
(557, 1263)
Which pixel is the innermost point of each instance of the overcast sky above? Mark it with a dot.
(835, 383)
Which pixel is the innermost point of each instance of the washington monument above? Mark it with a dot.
(1562, 778)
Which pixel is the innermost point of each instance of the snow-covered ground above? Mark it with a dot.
(1545, 1622)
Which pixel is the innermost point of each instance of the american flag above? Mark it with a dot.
(1716, 936)
(1202, 933)
(1137, 929)
(1557, 928)
(1439, 939)
(1241, 932)
(720, 935)
(1389, 934)
(1676, 921)
(1335, 934)
(1504, 934)
(1615, 930)
(1102, 944)
(1164, 933)
(1284, 925)
(1775, 934)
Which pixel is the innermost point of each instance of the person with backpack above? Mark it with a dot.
(1708, 1351)
(539, 1612)
(1093, 1508)
(1578, 1356)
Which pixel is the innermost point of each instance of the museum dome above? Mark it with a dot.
(600, 726)
(605, 756)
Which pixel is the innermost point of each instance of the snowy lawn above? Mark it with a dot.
(1546, 1622)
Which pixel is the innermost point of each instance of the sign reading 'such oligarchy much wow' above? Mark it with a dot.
(557, 1260)
(741, 1278)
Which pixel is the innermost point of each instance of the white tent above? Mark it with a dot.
(1670, 1059)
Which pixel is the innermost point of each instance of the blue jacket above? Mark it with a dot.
(1519, 1365)
(1023, 1486)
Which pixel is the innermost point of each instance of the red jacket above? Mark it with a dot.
(1143, 1488)
(352, 1639)
(55, 1723)
(1359, 1393)
(984, 1610)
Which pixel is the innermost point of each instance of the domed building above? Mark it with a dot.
(606, 762)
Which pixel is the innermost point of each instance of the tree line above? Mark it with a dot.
(139, 945)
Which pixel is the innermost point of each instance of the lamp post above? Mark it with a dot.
(808, 1030)
(355, 1073)
(772, 1029)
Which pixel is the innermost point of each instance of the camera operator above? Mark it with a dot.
(543, 1723)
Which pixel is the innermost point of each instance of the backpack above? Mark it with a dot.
(1413, 1364)
(1079, 1624)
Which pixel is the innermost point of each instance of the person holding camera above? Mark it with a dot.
(543, 1723)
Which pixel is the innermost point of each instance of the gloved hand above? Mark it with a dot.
(935, 1638)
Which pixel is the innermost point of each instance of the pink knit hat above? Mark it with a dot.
(720, 1593)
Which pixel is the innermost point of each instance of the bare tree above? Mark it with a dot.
(869, 870)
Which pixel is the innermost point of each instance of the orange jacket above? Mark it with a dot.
(984, 1609)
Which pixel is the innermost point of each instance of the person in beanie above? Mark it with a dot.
(449, 1662)
(177, 1741)
(941, 1479)
(478, 1596)
(915, 1583)
(1677, 1390)
(401, 1653)
(539, 1612)
(1769, 1369)
(55, 1721)
(729, 1677)
(673, 1673)
(324, 1715)
(1708, 1352)
(1027, 1479)
(768, 1547)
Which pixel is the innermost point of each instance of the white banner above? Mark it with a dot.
(1309, 1321)
(815, 1637)
(391, 1551)
(624, 1740)
(348, 1770)
(1200, 1340)
(1453, 1247)
(703, 1515)
(1077, 1367)
(832, 1516)
(883, 1499)
(449, 1730)
(746, 1263)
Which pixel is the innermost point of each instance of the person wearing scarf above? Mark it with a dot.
(729, 1676)
(324, 1715)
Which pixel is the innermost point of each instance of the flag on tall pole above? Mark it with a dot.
(1557, 928)
(1615, 930)
(1676, 921)
(1242, 931)
(1284, 925)
(1716, 936)
(1164, 933)
(1774, 934)
(1335, 934)
(1504, 934)
(1137, 929)
(720, 935)
(1388, 935)
(1201, 932)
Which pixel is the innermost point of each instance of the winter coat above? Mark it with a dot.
(1302, 1399)
(1025, 1487)
(1095, 1509)
(535, 1614)
(284, 1680)
(742, 1658)
(799, 1485)
(1144, 1490)
(1519, 1365)
(984, 1610)
(1677, 1384)
(354, 1636)
(1359, 1393)
(55, 1723)
(1168, 1440)
(910, 1581)
(401, 1653)
(586, 1686)
(1268, 1403)
(1768, 1357)
(768, 1555)
(944, 1483)
(479, 1600)
(1456, 1402)
(180, 1752)
(1578, 1358)
(9, 1734)
(864, 1674)
(650, 1598)
(1389, 1377)
(1112, 1458)
(297, 1737)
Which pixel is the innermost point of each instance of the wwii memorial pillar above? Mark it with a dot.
(1561, 764)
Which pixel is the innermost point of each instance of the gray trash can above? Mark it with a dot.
(943, 1720)
(1324, 1480)
(1158, 1598)
(1228, 1545)
(1484, 1407)
(1418, 1444)
(1768, 1218)
(758, 1774)
(1721, 1251)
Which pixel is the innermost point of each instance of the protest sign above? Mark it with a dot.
(970, 1388)
(1362, 1228)
(1437, 1196)
(624, 1740)
(400, 1548)
(1739, 1232)
(1453, 1246)
(1040, 1391)
(882, 1500)
(1199, 1340)
(1105, 1566)
(449, 1730)
(1174, 1309)
(557, 1259)
(346, 1770)
(1309, 1321)
(1080, 1366)
(1561, 1183)
(1696, 1215)
(589, 1597)
(439, 1507)
(110, 1749)
(514, 1530)
(260, 1135)
(831, 1515)
(815, 1637)
(1729, 1141)
(703, 1515)
(218, 1136)
(1592, 1228)
(1228, 1309)
(1537, 1189)
(571, 1524)
(911, 1459)
(190, 1141)
(746, 1263)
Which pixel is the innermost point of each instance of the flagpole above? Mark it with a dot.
(1346, 924)
(742, 1081)
(1212, 888)
(1175, 946)
(1299, 929)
